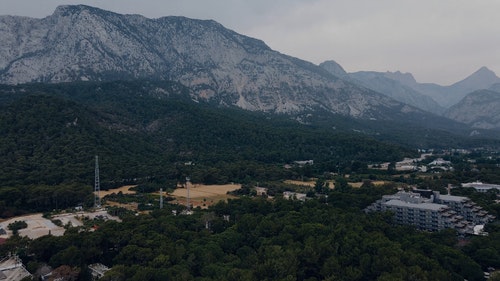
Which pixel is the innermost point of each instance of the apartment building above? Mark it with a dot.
(428, 210)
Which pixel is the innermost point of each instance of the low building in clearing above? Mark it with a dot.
(440, 162)
(429, 210)
(481, 187)
(261, 191)
(304, 162)
(407, 165)
(98, 270)
(289, 195)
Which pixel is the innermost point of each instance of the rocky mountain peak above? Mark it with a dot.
(483, 78)
(404, 78)
(484, 71)
(334, 68)
(74, 10)
(484, 74)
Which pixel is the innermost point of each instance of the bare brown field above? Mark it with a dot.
(124, 189)
(204, 195)
(331, 183)
(39, 226)
(129, 206)
(303, 183)
(359, 184)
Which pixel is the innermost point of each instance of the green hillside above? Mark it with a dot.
(146, 132)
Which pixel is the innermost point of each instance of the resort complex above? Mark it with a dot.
(429, 210)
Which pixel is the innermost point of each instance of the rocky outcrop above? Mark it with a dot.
(478, 109)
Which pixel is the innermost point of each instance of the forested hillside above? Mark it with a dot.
(145, 131)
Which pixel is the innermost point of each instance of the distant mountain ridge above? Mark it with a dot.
(449, 95)
(404, 88)
(473, 101)
(391, 84)
(395, 85)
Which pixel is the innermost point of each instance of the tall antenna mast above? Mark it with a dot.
(161, 198)
(97, 187)
(187, 186)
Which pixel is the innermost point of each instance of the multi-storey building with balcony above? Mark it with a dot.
(428, 210)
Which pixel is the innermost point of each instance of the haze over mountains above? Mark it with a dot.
(80, 43)
(394, 85)
(473, 100)
(403, 86)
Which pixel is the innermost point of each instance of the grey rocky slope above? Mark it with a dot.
(83, 43)
(334, 68)
(495, 87)
(479, 109)
(390, 84)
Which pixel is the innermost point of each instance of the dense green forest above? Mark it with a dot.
(142, 129)
(145, 132)
(264, 240)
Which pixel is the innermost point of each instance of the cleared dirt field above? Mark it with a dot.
(39, 226)
(204, 195)
(359, 184)
(331, 183)
(304, 183)
(129, 206)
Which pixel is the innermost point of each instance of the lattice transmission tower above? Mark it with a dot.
(97, 186)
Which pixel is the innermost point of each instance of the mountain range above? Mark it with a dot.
(427, 96)
(219, 66)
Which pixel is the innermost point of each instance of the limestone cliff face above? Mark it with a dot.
(78, 43)
(478, 109)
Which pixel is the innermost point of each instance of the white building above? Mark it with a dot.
(481, 187)
(289, 195)
(12, 268)
(432, 211)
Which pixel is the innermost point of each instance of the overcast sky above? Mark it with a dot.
(440, 41)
